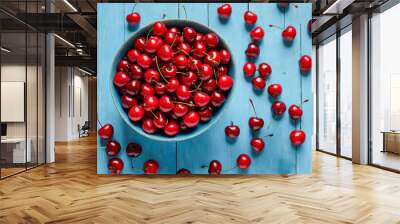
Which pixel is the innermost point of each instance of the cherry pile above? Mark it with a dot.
(172, 79)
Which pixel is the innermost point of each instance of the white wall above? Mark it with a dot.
(71, 102)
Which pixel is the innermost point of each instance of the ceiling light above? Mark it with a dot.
(5, 50)
(70, 5)
(64, 40)
(337, 7)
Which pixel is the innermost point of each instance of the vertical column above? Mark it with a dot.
(50, 93)
(360, 90)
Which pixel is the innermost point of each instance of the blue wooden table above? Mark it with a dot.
(279, 155)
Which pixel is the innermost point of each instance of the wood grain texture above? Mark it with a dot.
(280, 156)
(70, 191)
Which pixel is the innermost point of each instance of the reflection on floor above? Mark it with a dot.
(70, 191)
(387, 159)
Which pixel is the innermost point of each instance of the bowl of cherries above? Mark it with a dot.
(171, 80)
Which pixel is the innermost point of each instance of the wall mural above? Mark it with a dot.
(204, 88)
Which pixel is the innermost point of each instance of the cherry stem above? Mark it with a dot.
(215, 76)
(134, 6)
(173, 42)
(183, 73)
(189, 104)
(99, 123)
(155, 116)
(231, 123)
(148, 34)
(269, 135)
(224, 171)
(184, 9)
(159, 70)
(198, 86)
(254, 108)
(275, 26)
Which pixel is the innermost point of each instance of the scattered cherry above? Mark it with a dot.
(215, 167)
(258, 83)
(257, 144)
(183, 171)
(106, 131)
(115, 165)
(278, 107)
(250, 17)
(133, 150)
(255, 123)
(253, 50)
(243, 161)
(257, 34)
(295, 112)
(249, 68)
(264, 69)
(133, 18)
(232, 131)
(305, 63)
(297, 137)
(224, 11)
(151, 167)
(289, 33)
(275, 90)
(113, 148)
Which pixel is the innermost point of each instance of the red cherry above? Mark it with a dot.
(113, 148)
(160, 120)
(225, 56)
(159, 28)
(205, 114)
(183, 171)
(165, 52)
(174, 30)
(295, 112)
(132, 55)
(151, 75)
(249, 68)
(256, 123)
(106, 131)
(274, 90)
(115, 165)
(297, 137)
(211, 40)
(136, 72)
(172, 85)
(183, 93)
(283, 5)
(133, 18)
(123, 66)
(133, 87)
(224, 11)
(257, 144)
(189, 79)
(121, 79)
(199, 37)
(139, 44)
(278, 108)
(146, 90)
(289, 33)
(209, 85)
(264, 70)
(250, 17)
(258, 83)
(206, 72)
(181, 61)
(171, 37)
(172, 128)
(160, 88)
(201, 99)
(153, 44)
(215, 167)
(151, 167)
(150, 103)
(128, 102)
(257, 34)
(133, 150)
(305, 63)
(225, 82)
(253, 50)
(191, 119)
(144, 61)
(189, 34)
(232, 131)
(213, 58)
(165, 104)
(180, 110)
(148, 126)
(199, 49)
(243, 161)
(136, 113)
(169, 70)
(194, 65)
(185, 48)
(217, 99)
(222, 70)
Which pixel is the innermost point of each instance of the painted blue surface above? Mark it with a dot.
(279, 155)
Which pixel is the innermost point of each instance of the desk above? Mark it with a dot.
(16, 147)
(391, 141)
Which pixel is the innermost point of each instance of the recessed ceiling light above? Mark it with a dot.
(70, 5)
(5, 50)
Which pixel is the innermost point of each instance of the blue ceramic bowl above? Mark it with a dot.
(159, 135)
